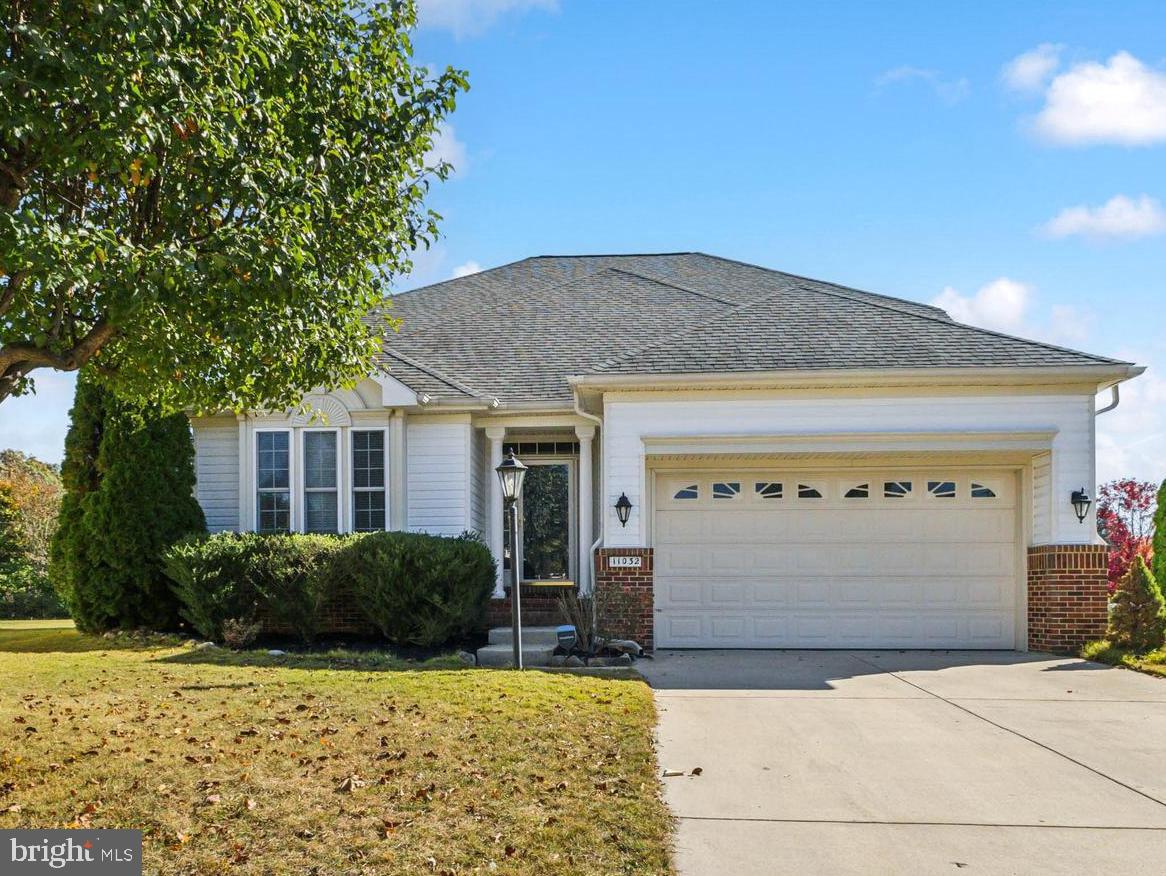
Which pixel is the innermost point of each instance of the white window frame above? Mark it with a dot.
(291, 478)
(354, 489)
(302, 490)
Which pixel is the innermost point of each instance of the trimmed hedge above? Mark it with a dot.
(417, 589)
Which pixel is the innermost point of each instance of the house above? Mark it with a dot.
(808, 465)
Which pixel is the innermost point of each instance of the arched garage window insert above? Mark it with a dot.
(690, 492)
(729, 490)
(979, 491)
(768, 489)
(896, 489)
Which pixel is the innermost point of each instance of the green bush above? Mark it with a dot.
(1137, 618)
(292, 576)
(211, 580)
(420, 589)
(27, 593)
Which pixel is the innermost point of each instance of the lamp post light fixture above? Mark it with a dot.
(623, 509)
(510, 475)
(1081, 502)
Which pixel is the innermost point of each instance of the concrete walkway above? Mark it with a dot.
(910, 762)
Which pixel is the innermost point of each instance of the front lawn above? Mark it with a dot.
(1151, 663)
(244, 763)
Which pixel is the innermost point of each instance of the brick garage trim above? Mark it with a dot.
(1068, 598)
(626, 595)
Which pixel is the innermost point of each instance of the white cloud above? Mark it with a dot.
(469, 18)
(1068, 325)
(1001, 305)
(1121, 101)
(1030, 71)
(948, 90)
(1131, 441)
(1118, 218)
(447, 147)
(464, 270)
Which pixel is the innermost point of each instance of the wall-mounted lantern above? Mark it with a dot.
(623, 509)
(1081, 503)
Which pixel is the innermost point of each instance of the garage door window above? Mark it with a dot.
(768, 489)
(805, 491)
(941, 489)
(896, 489)
(861, 491)
(690, 492)
(728, 490)
(979, 491)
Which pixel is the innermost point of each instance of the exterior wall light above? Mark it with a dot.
(510, 475)
(1081, 503)
(623, 509)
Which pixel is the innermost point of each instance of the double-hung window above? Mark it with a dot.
(368, 480)
(320, 481)
(273, 470)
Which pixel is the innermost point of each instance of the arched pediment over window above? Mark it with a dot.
(324, 410)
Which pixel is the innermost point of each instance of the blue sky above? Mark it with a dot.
(1005, 160)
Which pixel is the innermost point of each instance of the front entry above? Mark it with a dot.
(870, 558)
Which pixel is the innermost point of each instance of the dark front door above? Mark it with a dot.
(546, 521)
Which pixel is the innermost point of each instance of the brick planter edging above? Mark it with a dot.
(626, 594)
(1068, 596)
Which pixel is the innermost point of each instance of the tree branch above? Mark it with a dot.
(19, 359)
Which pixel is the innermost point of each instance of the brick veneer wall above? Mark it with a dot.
(1068, 600)
(626, 595)
(538, 610)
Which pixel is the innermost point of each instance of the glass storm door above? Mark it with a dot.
(546, 523)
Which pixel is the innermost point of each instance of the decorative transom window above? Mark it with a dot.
(979, 491)
(690, 492)
(896, 489)
(941, 489)
(768, 489)
(727, 490)
(859, 491)
(805, 491)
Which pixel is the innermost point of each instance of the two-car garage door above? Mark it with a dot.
(878, 558)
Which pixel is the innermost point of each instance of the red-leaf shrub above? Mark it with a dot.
(1125, 519)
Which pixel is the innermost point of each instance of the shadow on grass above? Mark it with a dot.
(363, 661)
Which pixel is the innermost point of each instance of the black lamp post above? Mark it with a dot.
(623, 509)
(510, 474)
(1081, 503)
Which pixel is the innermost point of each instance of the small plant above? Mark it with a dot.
(579, 612)
(1138, 616)
(239, 634)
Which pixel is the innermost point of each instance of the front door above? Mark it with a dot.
(546, 522)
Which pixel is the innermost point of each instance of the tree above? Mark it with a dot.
(134, 478)
(1138, 617)
(1125, 513)
(1158, 541)
(30, 497)
(204, 198)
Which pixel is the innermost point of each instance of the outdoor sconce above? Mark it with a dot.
(1081, 503)
(623, 508)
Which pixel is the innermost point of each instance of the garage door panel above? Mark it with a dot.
(920, 571)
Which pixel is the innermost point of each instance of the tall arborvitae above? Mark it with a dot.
(71, 564)
(136, 484)
(1159, 540)
(1137, 617)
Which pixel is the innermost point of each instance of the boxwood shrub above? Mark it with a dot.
(421, 589)
(416, 589)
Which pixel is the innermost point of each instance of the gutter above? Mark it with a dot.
(1115, 400)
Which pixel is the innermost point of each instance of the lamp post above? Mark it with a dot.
(510, 474)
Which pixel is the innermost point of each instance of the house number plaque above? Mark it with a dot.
(625, 562)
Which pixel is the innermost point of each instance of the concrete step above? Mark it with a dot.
(499, 656)
(530, 636)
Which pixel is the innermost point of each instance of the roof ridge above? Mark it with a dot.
(653, 279)
(433, 372)
(459, 279)
(733, 310)
(951, 322)
(838, 286)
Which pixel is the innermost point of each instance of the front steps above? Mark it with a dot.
(538, 644)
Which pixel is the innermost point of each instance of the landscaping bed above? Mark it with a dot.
(1150, 662)
(327, 762)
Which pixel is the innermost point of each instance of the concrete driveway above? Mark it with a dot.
(910, 762)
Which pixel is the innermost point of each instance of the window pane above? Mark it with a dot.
(320, 511)
(272, 460)
(319, 460)
(370, 511)
(368, 459)
(274, 511)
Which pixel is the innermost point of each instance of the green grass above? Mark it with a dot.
(329, 763)
(1151, 663)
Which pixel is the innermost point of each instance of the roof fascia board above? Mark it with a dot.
(853, 442)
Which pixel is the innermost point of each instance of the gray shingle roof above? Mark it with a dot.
(519, 331)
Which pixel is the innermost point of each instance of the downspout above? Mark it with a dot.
(1116, 390)
(598, 421)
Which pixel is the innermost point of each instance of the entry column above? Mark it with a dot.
(495, 434)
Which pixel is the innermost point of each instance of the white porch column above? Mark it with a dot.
(398, 473)
(495, 434)
(586, 512)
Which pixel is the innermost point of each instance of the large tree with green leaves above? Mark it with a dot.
(203, 198)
